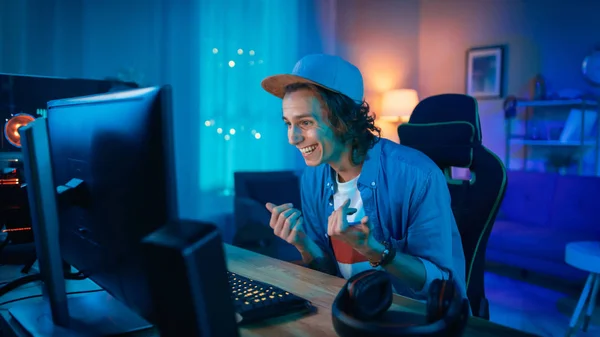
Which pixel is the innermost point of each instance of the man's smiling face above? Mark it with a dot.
(308, 128)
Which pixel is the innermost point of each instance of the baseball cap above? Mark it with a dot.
(327, 71)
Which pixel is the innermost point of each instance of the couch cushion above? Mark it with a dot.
(575, 204)
(545, 267)
(542, 242)
(528, 197)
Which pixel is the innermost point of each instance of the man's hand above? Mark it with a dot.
(287, 223)
(357, 236)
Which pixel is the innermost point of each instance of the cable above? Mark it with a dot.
(40, 295)
(12, 285)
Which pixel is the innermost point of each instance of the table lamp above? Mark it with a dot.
(397, 105)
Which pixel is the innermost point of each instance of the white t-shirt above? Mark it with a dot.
(349, 260)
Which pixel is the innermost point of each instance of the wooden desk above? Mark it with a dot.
(317, 287)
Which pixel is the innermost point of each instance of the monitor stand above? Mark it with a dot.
(56, 314)
(90, 314)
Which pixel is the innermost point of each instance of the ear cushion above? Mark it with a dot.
(440, 296)
(370, 294)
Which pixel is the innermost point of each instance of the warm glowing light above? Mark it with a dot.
(227, 137)
(382, 70)
(232, 131)
(398, 104)
(9, 181)
(207, 123)
(257, 135)
(11, 128)
(231, 64)
(16, 229)
(251, 53)
(240, 51)
(215, 50)
(219, 130)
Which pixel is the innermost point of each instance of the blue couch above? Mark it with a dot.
(540, 214)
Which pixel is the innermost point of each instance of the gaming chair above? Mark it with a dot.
(447, 129)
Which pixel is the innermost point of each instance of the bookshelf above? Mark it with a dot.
(575, 145)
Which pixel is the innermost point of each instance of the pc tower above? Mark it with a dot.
(23, 99)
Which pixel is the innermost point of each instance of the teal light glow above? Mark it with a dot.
(242, 42)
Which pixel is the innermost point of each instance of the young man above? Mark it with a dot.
(367, 202)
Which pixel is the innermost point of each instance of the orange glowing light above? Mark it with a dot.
(11, 128)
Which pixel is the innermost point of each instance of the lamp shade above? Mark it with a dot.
(398, 103)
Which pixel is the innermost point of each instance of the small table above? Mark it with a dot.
(585, 255)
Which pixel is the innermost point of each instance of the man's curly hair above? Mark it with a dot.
(351, 122)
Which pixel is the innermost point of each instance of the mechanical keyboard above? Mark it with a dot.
(256, 301)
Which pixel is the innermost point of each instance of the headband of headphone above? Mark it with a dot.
(359, 306)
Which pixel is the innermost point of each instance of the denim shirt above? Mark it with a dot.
(406, 197)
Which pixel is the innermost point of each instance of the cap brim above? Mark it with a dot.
(276, 84)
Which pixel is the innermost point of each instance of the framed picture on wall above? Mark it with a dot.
(485, 72)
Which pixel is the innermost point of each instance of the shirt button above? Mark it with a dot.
(328, 184)
(326, 235)
(373, 184)
(331, 204)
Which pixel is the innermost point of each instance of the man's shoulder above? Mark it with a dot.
(396, 155)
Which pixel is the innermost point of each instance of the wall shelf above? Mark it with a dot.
(528, 111)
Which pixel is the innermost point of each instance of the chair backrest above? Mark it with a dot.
(447, 129)
(252, 191)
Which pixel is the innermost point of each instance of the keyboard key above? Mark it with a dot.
(256, 301)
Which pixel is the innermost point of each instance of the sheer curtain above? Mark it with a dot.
(40, 37)
(243, 41)
(188, 44)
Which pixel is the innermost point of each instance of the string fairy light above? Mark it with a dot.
(239, 130)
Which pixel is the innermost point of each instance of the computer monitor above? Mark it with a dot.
(103, 168)
(121, 146)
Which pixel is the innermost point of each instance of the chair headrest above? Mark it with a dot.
(446, 128)
(448, 108)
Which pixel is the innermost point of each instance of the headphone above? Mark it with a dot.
(359, 306)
